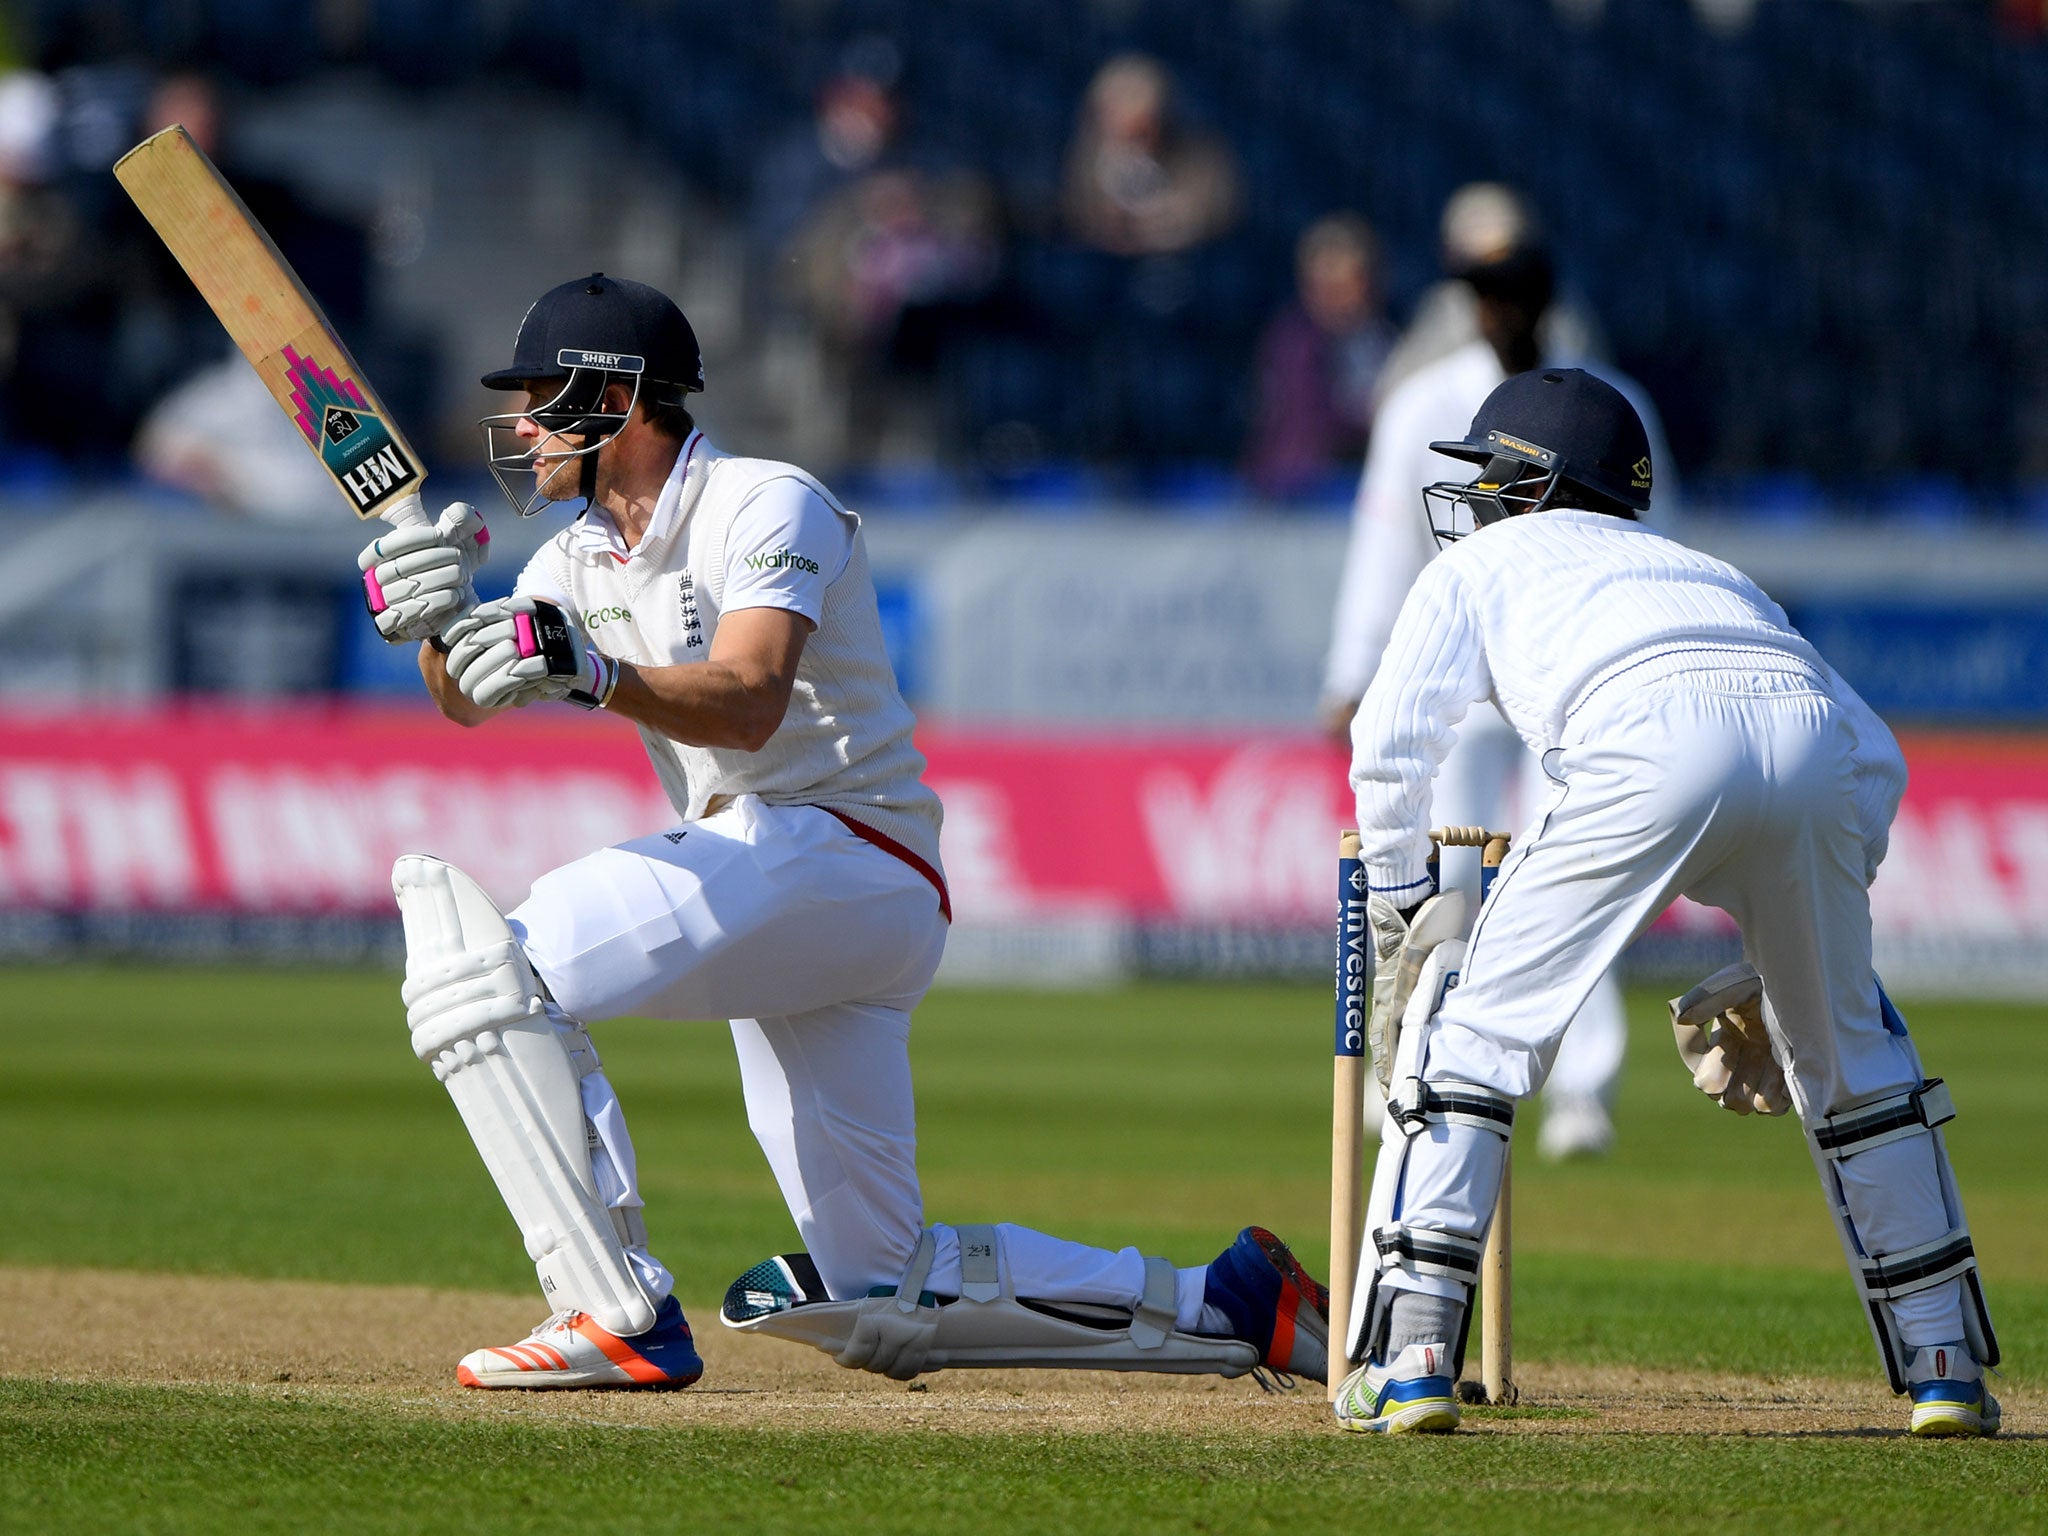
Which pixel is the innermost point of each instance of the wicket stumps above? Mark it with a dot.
(1347, 1102)
(1347, 1234)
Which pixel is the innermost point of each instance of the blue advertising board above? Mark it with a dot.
(1984, 663)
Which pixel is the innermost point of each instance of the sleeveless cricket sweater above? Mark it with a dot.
(844, 745)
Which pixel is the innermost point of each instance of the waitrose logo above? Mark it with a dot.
(782, 559)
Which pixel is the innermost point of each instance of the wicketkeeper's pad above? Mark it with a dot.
(1444, 1122)
(908, 1331)
(1882, 1278)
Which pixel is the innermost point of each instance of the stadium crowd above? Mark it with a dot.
(1074, 249)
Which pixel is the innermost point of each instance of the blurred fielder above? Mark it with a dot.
(1488, 779)
(723, 606)
(1696, 745)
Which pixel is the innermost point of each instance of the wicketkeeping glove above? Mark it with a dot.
(519, 649)
(417, 581)
(1719, 1026)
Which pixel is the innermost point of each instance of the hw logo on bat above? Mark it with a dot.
(350, 437)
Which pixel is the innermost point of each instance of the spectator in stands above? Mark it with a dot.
(864, 256)
(1482, 221)
(853, 130)
(39, 228)
(1146, 201)
(1319, 362)
(885, 268)
(330, 252)
(28, 152)
(70, 266)
(1138, 183)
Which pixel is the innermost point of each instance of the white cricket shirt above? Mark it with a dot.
(1535, 612)
(731, 533)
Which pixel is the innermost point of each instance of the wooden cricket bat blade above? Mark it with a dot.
(276, 323)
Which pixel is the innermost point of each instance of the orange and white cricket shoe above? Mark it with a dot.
(571, 1350)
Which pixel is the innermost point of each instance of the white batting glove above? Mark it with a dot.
(417, 581)
(1719, 1027)
(519, 649)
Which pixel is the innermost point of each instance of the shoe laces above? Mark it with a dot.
(1270, 1380)
(565, 1318)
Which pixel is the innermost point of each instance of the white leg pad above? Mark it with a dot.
(1460, 1131)
(908, 1332)
(477, 1018)
(1882, 1278)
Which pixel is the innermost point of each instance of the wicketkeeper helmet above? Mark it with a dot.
(1553, 437)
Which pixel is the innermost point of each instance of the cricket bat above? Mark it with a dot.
(277, 324)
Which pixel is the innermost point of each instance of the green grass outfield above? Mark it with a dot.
(274, 1124)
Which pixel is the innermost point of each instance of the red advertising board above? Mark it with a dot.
(301, 810)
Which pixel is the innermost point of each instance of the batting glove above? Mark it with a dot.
(519, 649)
(417, 581)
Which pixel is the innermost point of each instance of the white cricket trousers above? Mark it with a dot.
(1734, 788)
(817, 945)
(1490, 778)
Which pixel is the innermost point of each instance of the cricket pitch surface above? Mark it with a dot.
(399, 1345)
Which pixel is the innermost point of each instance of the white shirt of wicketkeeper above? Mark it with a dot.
(734, 698)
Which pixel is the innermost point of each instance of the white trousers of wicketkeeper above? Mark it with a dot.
(817, 945)
(1735, 788)
(1490, 778)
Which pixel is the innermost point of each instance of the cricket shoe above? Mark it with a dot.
(780, 1284)
(571, 1350)
(1414, 1395)
(1273, 1303)
(1949, 1397)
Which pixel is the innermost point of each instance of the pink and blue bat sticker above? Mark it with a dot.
(351, 438)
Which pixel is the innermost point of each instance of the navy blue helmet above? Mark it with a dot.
(575, 340)
(1552, 437)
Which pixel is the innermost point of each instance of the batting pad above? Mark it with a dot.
(475, 1009)
(909, 1331)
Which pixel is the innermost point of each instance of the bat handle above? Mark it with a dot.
(406, 512)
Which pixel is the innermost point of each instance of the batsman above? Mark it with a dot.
(722, 607)
(1696, 745)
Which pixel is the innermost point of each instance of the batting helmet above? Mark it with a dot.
(575, 340)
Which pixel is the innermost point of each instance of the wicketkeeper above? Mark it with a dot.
(723, 606)
(1697, 746)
